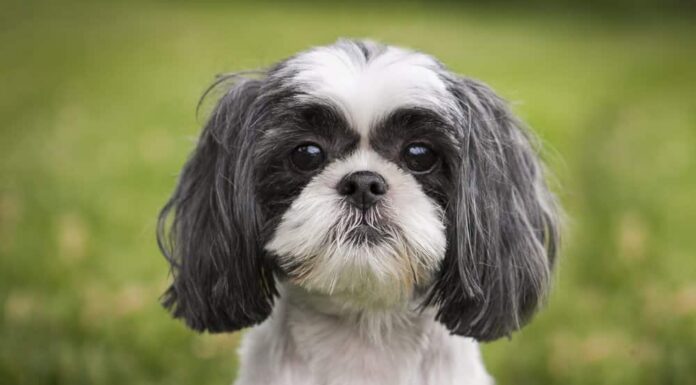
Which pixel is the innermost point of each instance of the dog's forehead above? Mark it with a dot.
(367, 81)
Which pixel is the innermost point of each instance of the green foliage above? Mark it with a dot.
(98, 106)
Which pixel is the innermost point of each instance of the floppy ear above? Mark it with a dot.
(221, 280)
(502, 224)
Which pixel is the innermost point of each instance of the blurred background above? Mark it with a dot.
(98, 101)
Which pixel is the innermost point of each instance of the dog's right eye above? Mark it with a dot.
(307, 157)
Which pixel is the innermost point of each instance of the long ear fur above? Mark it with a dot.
(502, 224)
(221, 280)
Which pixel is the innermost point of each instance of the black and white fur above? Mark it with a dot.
(398, 293)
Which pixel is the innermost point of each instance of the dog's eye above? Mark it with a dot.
(418, 157)
(307, 157)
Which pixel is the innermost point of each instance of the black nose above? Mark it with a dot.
(362, 188)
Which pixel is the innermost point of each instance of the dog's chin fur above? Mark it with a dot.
(340, 292)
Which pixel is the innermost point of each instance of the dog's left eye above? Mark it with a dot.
(419, 157)
(307, 157)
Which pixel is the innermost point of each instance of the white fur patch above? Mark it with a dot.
(311, 340)
(312, 235)
(366, 90)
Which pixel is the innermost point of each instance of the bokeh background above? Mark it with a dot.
(97, 101)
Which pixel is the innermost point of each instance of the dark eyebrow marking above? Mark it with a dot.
(410, 124)
(408, 121)
(312, 118)
(314, 121)
(412, 116)
(317, 113)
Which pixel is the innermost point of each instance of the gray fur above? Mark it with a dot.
(502, 221)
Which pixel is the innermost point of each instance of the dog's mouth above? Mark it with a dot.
(368, 228)
(365, 234)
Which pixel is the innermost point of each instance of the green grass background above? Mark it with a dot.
(98, 104)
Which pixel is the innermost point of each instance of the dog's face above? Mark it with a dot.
(370, 174)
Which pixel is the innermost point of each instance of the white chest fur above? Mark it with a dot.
(300, 344)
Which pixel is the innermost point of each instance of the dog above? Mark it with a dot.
(372, 215)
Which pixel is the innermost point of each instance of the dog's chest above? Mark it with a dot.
(371, 351)
(299, 347)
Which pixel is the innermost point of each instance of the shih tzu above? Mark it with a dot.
(371, 214)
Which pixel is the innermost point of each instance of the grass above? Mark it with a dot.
(98, 107)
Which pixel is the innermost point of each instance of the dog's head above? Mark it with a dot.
(365, 172)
